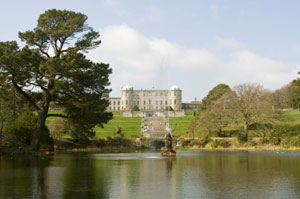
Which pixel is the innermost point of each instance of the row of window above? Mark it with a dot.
(149, 94)
(149, 102)
(142, 108)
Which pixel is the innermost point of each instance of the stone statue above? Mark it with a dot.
(168, 142)
(168, 149)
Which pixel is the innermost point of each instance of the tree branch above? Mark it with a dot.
(57, 115)
(24, 94)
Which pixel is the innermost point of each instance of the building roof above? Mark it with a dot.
(174, 88)
(127, 87)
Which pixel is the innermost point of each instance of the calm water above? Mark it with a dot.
(266, 175)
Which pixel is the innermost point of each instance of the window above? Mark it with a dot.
(138, 102)
(114, 103)
(144, 102)
(118, 102)
(175, 101)
(166, 102)
(161, 102)
(174, 93)
(149, 101)
(126, 102)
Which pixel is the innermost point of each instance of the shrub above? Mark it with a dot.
(287, 141)
(263, 141)
(98, 142)
(223, 143)
(186, 142)
(242, 138)
(211, 144)
(19, 133)
(200, 142)
(57, 128)
(118, 141)
(275, 141)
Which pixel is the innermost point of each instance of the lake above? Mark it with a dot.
(201, 174)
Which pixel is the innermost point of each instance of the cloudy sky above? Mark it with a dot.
(193, 44)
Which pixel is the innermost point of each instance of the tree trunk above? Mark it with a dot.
(220, 132)
(246, 130)
(36, 137)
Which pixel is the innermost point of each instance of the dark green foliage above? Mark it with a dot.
(242, 138)
(260, 126)
(19, 133)
(53, 61)
(118, 141)
(135, 108)
(80, 133)
(214, 95)
(294, 94)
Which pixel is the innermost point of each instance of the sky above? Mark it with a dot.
(194, 44)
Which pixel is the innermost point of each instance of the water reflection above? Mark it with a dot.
(147, 175)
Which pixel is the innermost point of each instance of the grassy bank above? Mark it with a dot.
(131, 127)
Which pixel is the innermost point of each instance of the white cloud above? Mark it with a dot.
(245, 66)
(142, 62)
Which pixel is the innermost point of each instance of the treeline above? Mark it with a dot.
(234, 112)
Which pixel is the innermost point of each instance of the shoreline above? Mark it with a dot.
(16, 152)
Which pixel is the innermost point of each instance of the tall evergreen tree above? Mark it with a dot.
(52, 64)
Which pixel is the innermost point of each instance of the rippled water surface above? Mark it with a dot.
(232, 175)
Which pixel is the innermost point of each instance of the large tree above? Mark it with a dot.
(294, 93)
(213, 95)
(250, 103)
(280, 98)
(51, 68)
(218, 115)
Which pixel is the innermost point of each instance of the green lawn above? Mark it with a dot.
(292, 116)
(131, 127)
(179, 124)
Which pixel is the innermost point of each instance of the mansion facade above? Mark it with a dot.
(146, 100)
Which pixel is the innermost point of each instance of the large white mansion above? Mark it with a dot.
(147, 99)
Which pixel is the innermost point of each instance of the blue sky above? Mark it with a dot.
(192, 44)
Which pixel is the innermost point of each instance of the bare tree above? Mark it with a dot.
(250, 104)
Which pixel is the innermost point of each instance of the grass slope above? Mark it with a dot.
(179, 124)
(130, 126)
